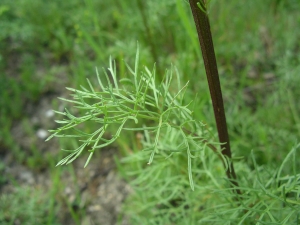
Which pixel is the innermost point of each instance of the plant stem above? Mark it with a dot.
(204, 34)
(148, 34)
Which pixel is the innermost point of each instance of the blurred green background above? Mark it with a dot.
(46, 46)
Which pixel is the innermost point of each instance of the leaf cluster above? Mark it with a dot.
(270, 195)
(172, 128)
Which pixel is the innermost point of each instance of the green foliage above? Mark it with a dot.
(47, 26)
(172, 142)
(257, 47)
(14, 211)
(270, 196)
(9, 91)
(173, 129)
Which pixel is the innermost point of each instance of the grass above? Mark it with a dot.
(257, 50)
(33, 212)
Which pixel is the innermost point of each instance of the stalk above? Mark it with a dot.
(201, 20)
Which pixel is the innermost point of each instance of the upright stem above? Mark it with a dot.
(148, 33)
(208, 54)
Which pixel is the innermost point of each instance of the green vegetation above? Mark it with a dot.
(24, 206)
(45, 46)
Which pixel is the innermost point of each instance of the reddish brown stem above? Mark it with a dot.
(204, 34)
